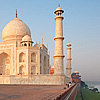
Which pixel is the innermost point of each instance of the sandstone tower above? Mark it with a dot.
(68, 69)
(58, 57)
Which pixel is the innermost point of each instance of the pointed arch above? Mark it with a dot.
(33, 57)
(4, 62)
(22, 57)
(33, 69)
(21, 70)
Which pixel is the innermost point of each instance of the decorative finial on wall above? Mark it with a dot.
(42, 40)
(47, 46)
(16, 13)
(49, 53)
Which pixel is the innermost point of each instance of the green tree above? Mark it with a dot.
(95, 89)
(83, 84)
(72, 75)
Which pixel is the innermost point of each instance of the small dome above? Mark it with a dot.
(16, 28)
(36, 45)
(26, 38)
(59, 8)
(68, 44)
(53, 67)
(76, 72)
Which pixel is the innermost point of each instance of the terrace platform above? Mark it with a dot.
(32, 92)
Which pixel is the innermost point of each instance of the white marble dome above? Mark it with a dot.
(16, 28)
(26, 38)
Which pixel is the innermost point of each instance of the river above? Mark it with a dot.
(93, 84)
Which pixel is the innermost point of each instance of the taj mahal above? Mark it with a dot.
(23, 62)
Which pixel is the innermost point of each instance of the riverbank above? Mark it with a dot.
(86, 94)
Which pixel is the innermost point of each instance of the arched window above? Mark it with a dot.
(33, 57)
(25, 44)
(22, 57)
(29, 44)
(33, 70)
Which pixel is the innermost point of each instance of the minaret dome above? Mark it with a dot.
(59, 11)
(68, 44)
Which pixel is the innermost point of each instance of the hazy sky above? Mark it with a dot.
(81, 28)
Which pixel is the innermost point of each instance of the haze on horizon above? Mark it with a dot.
(81, 27)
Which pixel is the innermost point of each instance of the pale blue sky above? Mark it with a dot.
(81, 28)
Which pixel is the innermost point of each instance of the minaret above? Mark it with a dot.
(68, 69)
(58, 57)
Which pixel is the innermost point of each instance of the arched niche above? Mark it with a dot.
(33, 57)
(7, 71)
(48, 65)
(21, 70)
(5, 61)
(48, 62)
(33, 70)
(40, 69)
(25, 44)
(45, 64)
(22, 57)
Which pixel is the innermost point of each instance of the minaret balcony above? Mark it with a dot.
(60, 37)
(59, 55)
(59, 17)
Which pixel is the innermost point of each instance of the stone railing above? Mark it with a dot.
(69, 94)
